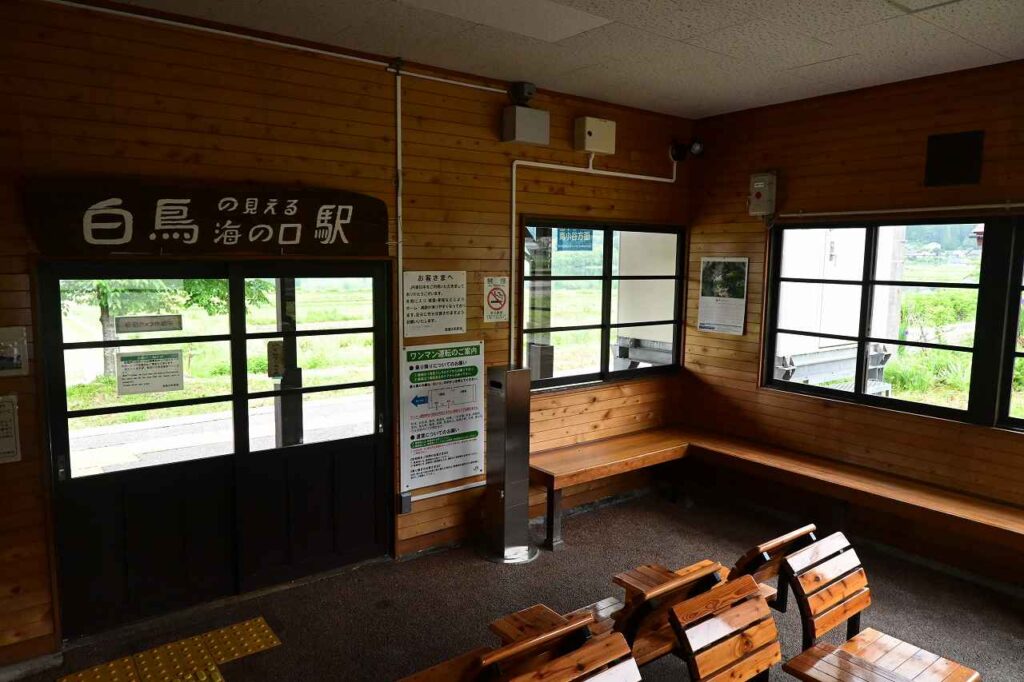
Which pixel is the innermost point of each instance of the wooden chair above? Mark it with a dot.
(764, 561)
(651, 591)
(562, 652)
(831, 587)
(727, 633)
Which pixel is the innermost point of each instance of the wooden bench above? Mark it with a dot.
(831, 587)
(538, 644)
(764, 561)
(727, 633)
(563, 467)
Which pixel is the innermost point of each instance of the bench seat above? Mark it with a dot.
(562, 467)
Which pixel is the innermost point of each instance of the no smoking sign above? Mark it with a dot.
(496, 299)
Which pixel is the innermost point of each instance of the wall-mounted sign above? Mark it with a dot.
(275, 359)
(134, 324)
(97, 217)
(723, 295)
(10, 445)
(150, 371)
(13, 351)
(435, 303)
(496, 299)
(442, 413)
(574, 239)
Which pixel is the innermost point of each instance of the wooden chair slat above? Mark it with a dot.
(838, 591)
(822, 549)
(726, 623)
(722, 654)
(863, 640)
(719, 596)
(751, 666)
(840, 612)
(825, 573)
(916, 664)
(897, 656)
(880, 647)
(580, 663)
(527, 623)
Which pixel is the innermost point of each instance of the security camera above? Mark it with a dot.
(521, 92)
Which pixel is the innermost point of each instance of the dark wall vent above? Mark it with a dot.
(954, 159)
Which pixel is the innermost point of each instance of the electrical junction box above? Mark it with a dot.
(595, 135)
(523, 124)
(761, 200)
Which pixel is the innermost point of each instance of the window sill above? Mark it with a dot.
(635, 375)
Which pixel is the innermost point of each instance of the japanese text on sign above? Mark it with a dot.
(496, 299)
(442, 413)
(149, 372)
(435, 303)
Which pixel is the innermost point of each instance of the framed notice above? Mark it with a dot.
(723, 295)
(10, 447)
(153, 371)
(442, 413)
(435, 303)
(13, 351)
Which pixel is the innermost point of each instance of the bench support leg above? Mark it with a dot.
(554, 521)
(853, 626)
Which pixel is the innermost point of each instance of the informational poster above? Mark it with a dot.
(496, 299)
(10, 447)
(442, 413)
(134, 324)
(435, 303)
(723, 295)
(151, 371)
(13, 351)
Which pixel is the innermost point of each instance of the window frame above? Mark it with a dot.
(1014, 311)
(608, 227)
(52, 272)
(988, 355)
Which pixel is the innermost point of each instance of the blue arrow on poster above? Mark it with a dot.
(420, 400)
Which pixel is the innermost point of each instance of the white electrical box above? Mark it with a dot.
(523, 124)
(595, 135)
(761, 200)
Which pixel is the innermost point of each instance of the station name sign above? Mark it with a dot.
(126, 216)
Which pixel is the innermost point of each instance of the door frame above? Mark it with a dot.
(48, 274)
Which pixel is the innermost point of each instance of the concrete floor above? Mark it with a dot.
(385, 620)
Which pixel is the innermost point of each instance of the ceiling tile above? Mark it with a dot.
(995, 24)
(820, 16)
(620, 44)
(917, 46)
(537, 19)
(768, 43)
(852, 72)
(915, 5)
(676, 19)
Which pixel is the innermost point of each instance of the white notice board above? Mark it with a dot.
(723, 295)
(435, 303)
(442, 413)
(153, 371)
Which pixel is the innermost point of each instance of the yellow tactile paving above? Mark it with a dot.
(173, 661)
(194, 659)
(119, 670)
(240, 639)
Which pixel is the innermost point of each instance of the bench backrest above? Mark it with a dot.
(585, 662)
(647, 610)
(828, 583)
(727, 633)
(570, 635)
(765, 560)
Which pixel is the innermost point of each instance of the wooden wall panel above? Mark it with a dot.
(860, 150)
(91, 94)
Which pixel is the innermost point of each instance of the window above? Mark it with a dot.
(156, 370)
(900, 316)
(599, 301)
